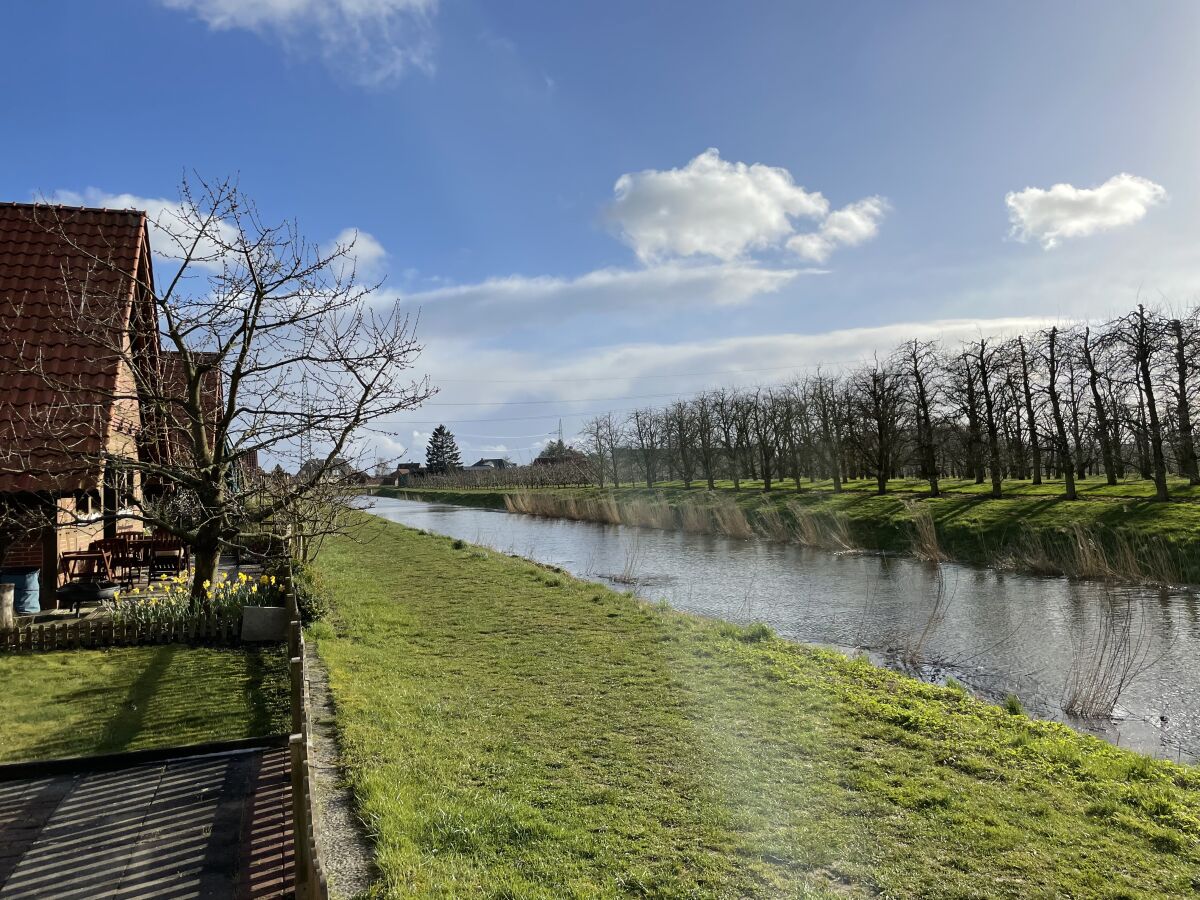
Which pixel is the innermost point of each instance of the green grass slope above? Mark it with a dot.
(512, 732)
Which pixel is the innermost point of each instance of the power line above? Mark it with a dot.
(814, 365)
(576, 400)
(560, 414)
(514, 419)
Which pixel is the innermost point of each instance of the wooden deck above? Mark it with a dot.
(184, 827)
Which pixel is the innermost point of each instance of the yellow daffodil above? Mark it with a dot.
(206, 584)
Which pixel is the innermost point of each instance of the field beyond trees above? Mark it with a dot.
(509, 731)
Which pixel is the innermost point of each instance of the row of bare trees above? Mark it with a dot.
(1065, 402)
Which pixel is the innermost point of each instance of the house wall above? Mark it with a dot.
(24, 554)
(42, 551)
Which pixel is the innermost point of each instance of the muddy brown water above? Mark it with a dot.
(997, 633)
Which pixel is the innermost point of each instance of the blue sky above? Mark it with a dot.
(480, 145)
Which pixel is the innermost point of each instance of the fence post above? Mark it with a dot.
(296, 670)
(7, 615)
(300, 836)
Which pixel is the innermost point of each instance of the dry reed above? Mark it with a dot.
(925, 543)
(730, 519)
(823, 530)
(1082, 552)
(769, 523)
(694, 516)
(1106, 659)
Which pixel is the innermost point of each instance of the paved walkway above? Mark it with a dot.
(203, 826)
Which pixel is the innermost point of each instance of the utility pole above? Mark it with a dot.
(305, 418)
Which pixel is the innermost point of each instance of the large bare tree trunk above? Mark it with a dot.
(1035, 448)
(1143, 349)
(1183, 409)
(1060, 427)
(1103, 429)
(989, 409)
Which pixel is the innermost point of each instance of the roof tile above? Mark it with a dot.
(49, 256)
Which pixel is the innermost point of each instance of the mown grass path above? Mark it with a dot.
(512, 732)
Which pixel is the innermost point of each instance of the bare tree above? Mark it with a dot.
(1140, 334)
(1095, 376)
(827, 397)
(984, 359)
(725, 412)
(1035, 447)
(1183, 349)
(1052, 349)
(681, 429)
(921, 364)
(706, 439)
(646, 427)
(261, 344)
(877, 397)
(764, 418)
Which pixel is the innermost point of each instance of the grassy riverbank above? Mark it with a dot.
(85, 702)
(512, 732)
(1117, 532)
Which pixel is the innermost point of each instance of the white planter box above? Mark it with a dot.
(264, 623)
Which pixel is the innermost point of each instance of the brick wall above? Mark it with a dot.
(25, 553)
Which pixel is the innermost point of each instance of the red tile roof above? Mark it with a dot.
(49, 257)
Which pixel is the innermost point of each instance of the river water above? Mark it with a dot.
(997, 633)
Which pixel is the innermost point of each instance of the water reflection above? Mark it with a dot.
(997, 633)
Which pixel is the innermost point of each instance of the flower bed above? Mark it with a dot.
(169, 600)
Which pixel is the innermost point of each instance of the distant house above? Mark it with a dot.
(403, 474)
(338, 471)
(49, 447)
(488, 465)
(557, 453)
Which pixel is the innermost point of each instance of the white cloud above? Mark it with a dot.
(710, 207)
(365, 252)
(169, 235)
(1065, 211)
(371, 41)
(726, 210)
(544, 301)
(847, 227)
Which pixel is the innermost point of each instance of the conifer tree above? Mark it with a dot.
(441, 455)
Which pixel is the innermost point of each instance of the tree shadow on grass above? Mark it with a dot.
(124, 727)
(164, 696)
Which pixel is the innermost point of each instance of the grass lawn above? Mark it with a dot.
(84, 702)
(512, 732)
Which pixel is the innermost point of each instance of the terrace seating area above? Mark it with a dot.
(126, 559)
(94, 575)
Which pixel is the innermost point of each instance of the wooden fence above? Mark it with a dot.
(91, 633)
(311, 883)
